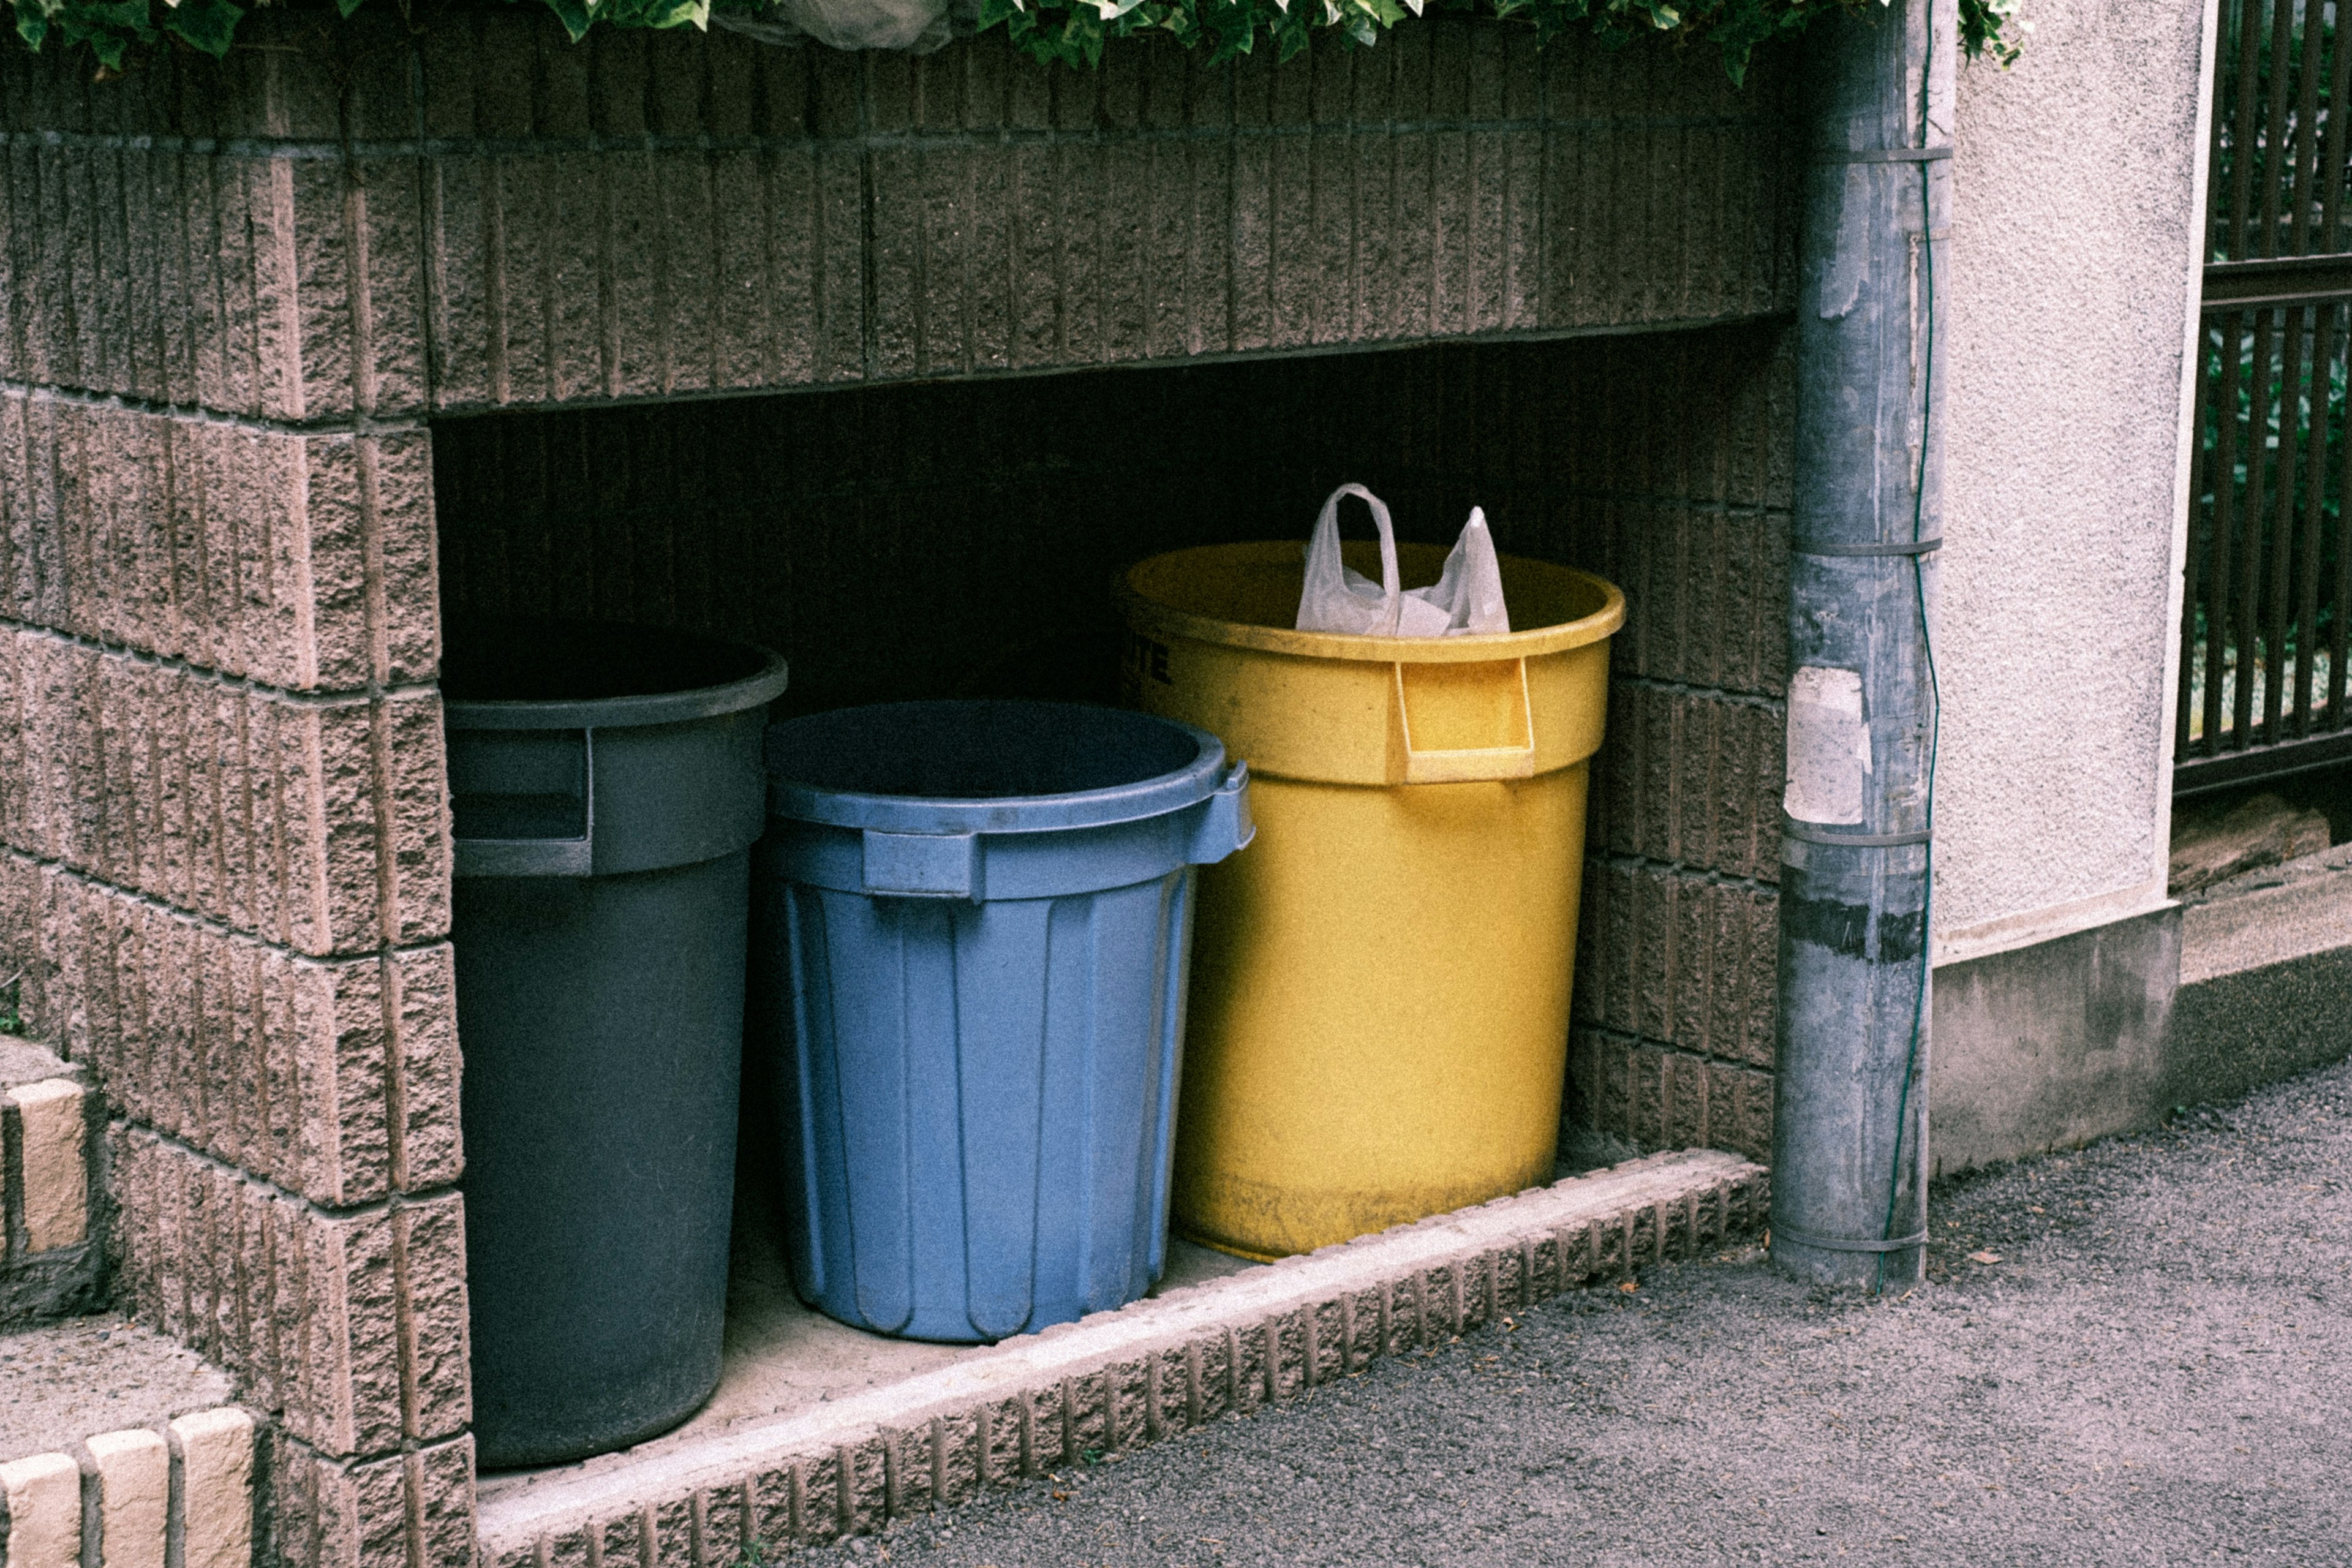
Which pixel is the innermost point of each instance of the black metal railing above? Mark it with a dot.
(2268, 577)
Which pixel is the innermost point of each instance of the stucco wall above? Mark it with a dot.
(2077, 198)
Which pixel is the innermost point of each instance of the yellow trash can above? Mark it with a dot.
(1379, 1014)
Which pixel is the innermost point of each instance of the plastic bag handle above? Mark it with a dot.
(1326, 539)
(1469, 764)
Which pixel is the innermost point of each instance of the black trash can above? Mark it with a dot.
(606, 786)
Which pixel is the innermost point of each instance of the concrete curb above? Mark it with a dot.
(138, 1498)
(1119, 1380)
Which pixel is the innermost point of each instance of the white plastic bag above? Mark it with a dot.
(913, 26)
(1467, 598)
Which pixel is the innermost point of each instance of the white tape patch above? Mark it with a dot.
(1829, 747)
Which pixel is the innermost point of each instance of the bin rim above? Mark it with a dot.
(1149, 614)
(764, 686)
(1161, 796)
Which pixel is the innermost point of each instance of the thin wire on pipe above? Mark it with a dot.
(1927, 645)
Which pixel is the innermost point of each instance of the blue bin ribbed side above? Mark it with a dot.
(976, 1088)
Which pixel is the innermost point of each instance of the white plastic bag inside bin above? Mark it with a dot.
(914, 27)
(1467, 598)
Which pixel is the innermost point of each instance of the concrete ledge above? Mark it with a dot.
(2266, 975)
(2268, 917)
(1119, 1380)
(100, 1374)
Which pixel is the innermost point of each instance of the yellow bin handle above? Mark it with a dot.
(1468, 765)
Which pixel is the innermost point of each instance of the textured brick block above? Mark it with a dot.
(133, 1471)
(671, 1525)
(18, 772)
(42, 1499)
(425, 1009)
(1086, 1406)
(308, 1306)
(336, 746)
(388, 352)
(864, 1486)
(352, 1372)
(1686, 1112)
(322, 826)
(313, 1074)
(303, 562)
(212, 1450)
(329, 1513)
(441, 1483)
(414, 827)
(435, 1394)
(335, 520)
(569, 1548)
(1002, 1442)
(1741, 1109)
(1599, 1080)
(51, 1122)
(1049, 1430)
(622, 1540)
(817, 1493)
(398, 469)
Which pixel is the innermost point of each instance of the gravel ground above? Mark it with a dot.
(2137, 1353)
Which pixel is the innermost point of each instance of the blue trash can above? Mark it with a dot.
(971, 935)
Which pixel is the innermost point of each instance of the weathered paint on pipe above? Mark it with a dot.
(1851, 1103)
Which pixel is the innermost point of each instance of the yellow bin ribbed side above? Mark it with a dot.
(1379, 1015)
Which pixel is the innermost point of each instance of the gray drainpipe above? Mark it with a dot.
(1850, 1112)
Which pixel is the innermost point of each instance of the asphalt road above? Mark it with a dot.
(2156, 1368)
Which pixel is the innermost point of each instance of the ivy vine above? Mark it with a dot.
(1073, 31)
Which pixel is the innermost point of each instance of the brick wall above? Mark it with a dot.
(1679, 943)
(223, 862)
(234, 296)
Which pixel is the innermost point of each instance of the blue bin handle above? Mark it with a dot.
(1224, 825)
(924, 865)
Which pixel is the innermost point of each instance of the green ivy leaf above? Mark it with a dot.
(206, 25)
(32, 25)
(124, 15)
(108, 48)
(574, 15)
(348, 7)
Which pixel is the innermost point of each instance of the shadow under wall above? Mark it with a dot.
(960, 538)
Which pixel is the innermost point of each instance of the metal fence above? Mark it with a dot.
(2268, 578)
